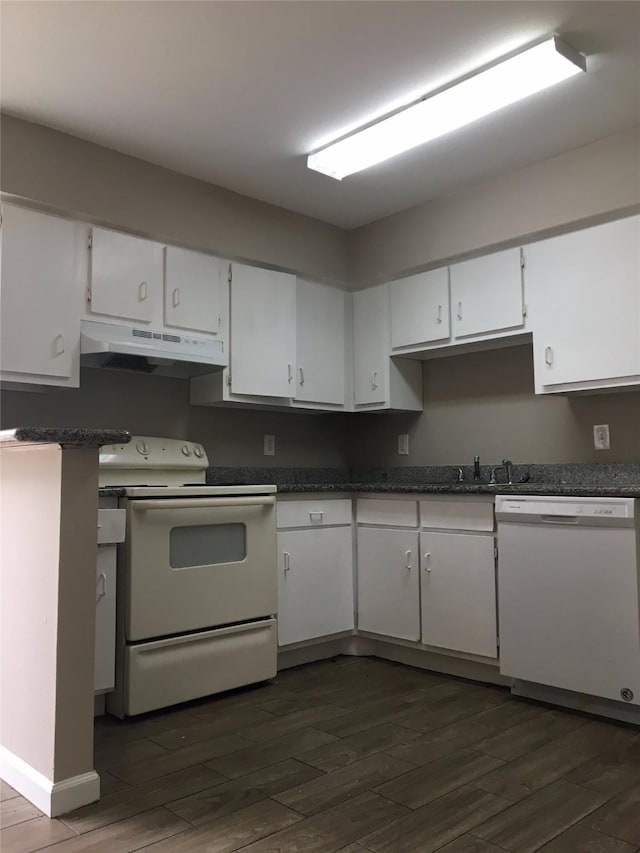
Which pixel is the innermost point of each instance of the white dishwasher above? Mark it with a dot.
(568, 598)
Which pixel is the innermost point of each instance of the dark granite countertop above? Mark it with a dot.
(111, 491)
(573, 490)
(64, 436)
(570, 479)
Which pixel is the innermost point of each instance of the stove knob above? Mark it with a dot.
(142, 448)
(198, 451)
(185, 450)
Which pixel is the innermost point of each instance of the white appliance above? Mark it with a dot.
(568, 597)
(145, 350)
(196, 577)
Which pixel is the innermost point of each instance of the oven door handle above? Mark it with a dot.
(200, 503)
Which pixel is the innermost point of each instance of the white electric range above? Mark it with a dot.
(196, 577)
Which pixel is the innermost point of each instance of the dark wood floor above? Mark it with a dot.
(352, 755)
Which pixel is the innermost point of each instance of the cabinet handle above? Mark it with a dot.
(142, 291)
(289, 373)
(102, 581)
(548, 356)
(374, 379)
(58, 345)
(302, 375)
(316, 517)
(459, 311)
(439, 314)
(427, 562)
(287, 561)
(176, 297)
(407, 560)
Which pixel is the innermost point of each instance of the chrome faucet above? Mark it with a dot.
(507, 465)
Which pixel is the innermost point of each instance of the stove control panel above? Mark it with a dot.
(149, 452)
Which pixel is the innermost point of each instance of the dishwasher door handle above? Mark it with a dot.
(560, 519)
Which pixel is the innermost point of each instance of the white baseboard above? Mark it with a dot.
(52, 798)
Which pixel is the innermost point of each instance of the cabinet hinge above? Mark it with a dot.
(229, 379)
(89, 294)
(523, 262)
(90, 241)
(498, 641)
(229, 275)
(524, 310)
(495, 553)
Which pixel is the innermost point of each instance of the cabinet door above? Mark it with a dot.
(584, 295)
(388, 585)
(315, 583)
(320, 351)
(263, 332)
(105, 650)
(370, 345)
(459, 592)
(126, 276)
(192, 291)
(486, 294)
(420, 309)
(41, 294)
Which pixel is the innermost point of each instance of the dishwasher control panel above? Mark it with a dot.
(564, 509)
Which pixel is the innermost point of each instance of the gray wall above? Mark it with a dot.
(157, 405)
(483, 403)
(585, 185)
(478, 403)
(88, 181)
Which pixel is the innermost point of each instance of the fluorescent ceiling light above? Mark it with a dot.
(471, 98)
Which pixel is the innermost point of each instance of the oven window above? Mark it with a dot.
(207, 544)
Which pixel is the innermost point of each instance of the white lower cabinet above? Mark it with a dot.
(458, 586)
(388, 582)
(458, 574)
(111, 524)
(315, 570)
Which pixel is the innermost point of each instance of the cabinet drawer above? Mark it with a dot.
(457, 514)
(110, 526)
(313, 513)
(387, 512)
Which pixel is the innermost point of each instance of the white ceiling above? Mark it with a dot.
(236, 93)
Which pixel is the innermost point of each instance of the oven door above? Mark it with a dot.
(194, 563)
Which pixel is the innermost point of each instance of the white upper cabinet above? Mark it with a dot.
(192, 290)
(320, 343)
(584, 295)
(41, 299)
(263, 332)
(370, 353)
(125, 277)
(487, 295)
(379, 381)
(420, 309)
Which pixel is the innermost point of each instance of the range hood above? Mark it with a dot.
(145, 350)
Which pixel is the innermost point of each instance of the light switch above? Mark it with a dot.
(403, 444)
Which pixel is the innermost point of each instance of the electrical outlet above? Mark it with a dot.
(601, 439)
(403, 445)
(269, 445)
